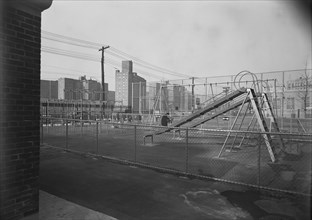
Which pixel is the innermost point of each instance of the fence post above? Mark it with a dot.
(66, 121)
(41, 121)
(186, 150)
(97, 137)
(81, 127)
(135, 141)
(259, 163)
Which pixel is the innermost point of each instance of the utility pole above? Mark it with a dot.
(193, 85)
(103, 81)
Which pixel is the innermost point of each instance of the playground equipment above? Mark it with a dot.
(238, 98)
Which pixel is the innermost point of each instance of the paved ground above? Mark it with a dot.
(55, 208)
(201, 157)
(125, 192)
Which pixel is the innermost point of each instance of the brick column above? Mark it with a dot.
(20, 34)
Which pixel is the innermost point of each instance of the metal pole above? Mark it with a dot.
(261, 90)
(132, 98)
(259, 163)
(140, 100)
(46, 111)
(213, 98)
(206, 90)
(135, 141)
(193, 106)
(149, 105)
(282, 101)
(160, 99)
(81, 129)
(41, 121)
(186, 150)
(275, 94)
(66, 133)
(97, 137)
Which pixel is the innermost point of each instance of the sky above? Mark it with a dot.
(190, 38)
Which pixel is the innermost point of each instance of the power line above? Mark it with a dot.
(149, 64)
(116, 53)
(89, 57)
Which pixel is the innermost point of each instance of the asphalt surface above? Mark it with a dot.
(126, 192)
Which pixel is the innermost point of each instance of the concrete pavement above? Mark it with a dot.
(125, 192)
(54, 208)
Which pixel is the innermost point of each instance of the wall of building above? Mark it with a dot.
(139, 93)
(20, 33)
(72, 89)
(122, 87)
(69, 89)
(126, 80)
(111, 96)
(49, 89)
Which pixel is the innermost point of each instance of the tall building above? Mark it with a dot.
(138, 92)
(130, 88)
(48, 89)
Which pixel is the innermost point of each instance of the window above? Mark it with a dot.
(290, 103)
(277, 103)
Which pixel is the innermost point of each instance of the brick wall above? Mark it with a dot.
(19, 112)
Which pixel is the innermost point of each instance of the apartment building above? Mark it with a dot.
(130, 88)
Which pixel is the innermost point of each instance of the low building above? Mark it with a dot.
(49, 89)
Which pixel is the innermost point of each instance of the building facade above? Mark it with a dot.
(69, 89)
(74, 89)
(128, 86)
(49, 89)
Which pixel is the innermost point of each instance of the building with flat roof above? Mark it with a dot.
(49, 89)
(82, 88)
(130, 88)
(69, 89)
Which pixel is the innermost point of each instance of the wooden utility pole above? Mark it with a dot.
(103, 80)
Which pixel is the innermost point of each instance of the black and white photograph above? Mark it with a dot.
(155, 110)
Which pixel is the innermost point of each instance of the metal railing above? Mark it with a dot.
(196, 152)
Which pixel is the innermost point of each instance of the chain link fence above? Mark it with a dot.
(236, 156)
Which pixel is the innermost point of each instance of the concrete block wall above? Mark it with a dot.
(20, 34)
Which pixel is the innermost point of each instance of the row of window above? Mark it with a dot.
(290, 103)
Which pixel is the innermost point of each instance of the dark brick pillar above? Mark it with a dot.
(20, 33)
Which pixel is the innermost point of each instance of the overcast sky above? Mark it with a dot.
(194, 38)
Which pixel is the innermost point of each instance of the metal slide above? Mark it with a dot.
(209, 107)
(218, 113)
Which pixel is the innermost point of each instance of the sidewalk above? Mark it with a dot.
(55, 208)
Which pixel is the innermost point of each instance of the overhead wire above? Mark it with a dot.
(115, 52)
(83, 56)
(149, 64)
